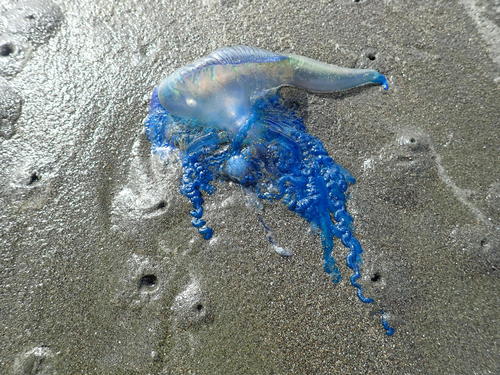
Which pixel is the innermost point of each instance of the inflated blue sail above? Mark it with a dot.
(224, 113)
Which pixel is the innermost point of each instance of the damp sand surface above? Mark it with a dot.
(100, 269)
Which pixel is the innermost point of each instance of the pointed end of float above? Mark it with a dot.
(382, 81)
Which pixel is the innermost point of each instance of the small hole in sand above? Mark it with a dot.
(33, 178)
(148, 281)
(6, 49)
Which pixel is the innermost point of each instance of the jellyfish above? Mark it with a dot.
(225, 115)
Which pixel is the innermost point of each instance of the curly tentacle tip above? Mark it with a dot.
(389, 331)
(382, 81)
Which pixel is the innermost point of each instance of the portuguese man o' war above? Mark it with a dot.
(225, 115)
